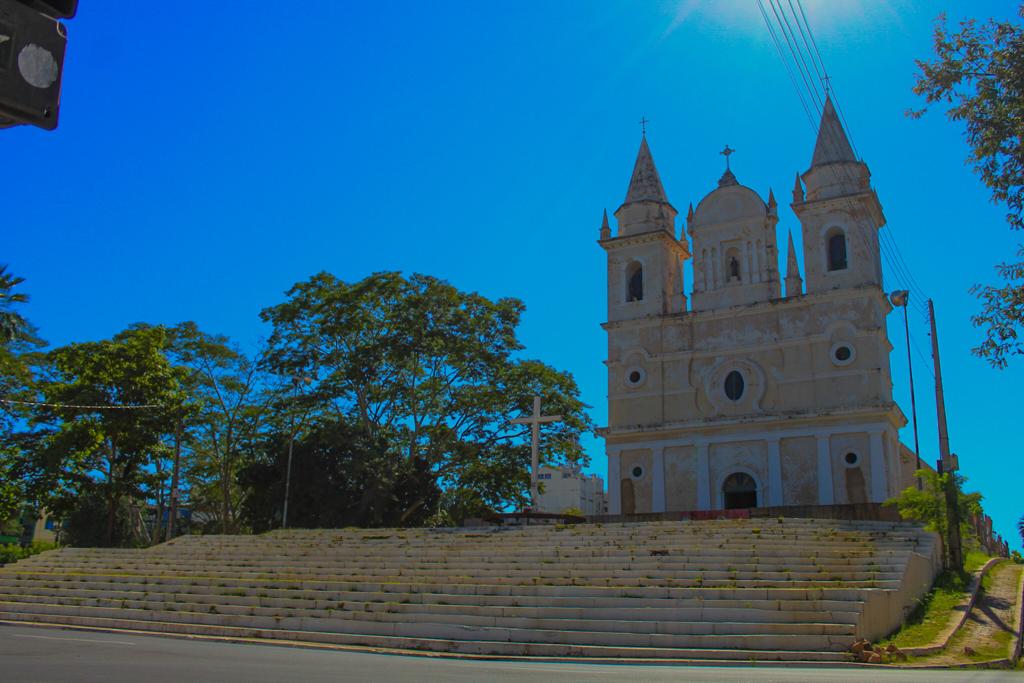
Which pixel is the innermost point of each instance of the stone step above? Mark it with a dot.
(626, 580)
(469, 647)
(665, 569)
(406, 629)
(791, 589)
(793, 601)
(693, 610)
(562, 566)
(485, 550)
(670, 624)
(789, 592)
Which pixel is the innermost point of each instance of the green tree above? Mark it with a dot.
(431, 371)
(94, 445)
(12, 325)
(227, 408)
(928, 504)
(18, 342)
(978, 72)
(340, 477)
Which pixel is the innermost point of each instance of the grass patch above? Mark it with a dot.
(932, 614)
(975, 560)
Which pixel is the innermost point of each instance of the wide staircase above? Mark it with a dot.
(766, 589)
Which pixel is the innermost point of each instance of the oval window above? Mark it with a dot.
(734, 385)
(852, 459)
(843, 353)
(634, 377)
(637, 472)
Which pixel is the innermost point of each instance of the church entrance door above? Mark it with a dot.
(739, 491)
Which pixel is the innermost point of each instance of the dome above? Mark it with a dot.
(729, 203)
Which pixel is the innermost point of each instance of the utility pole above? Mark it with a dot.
(174, 480)
(297, 383)
(946, 464)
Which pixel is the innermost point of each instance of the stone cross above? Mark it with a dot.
(535, 420)
(643, 124)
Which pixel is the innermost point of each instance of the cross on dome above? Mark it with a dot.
(727, 152)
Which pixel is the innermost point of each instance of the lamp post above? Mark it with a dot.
(297, 383)
(902, 298)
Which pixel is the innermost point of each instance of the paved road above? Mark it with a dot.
(45, 655)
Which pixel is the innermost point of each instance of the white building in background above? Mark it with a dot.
(563, 488)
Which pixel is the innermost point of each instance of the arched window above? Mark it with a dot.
(739, 491)
(837, 251)
(635, 282)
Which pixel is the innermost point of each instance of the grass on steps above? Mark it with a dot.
(932, 614)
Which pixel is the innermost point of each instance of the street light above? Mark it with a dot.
(297, 384)
(902, 298)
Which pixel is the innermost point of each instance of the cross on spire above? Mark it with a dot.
(827, 81)
(643, 125)
(727, 152)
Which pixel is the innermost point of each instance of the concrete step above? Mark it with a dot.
(438, 645)
(692, 610)
(648, 561)
(627, 581)
(670, 624)
(407, 629)
(403, 594)
(766, 588)
(542, 590)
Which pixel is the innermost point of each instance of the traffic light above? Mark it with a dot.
(32, 44)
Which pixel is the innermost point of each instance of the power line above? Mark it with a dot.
(789, 70)
(81, 407)
(798, 60)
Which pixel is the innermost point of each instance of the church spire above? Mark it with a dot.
(798, 190)
(645, 184)
(606, 230)
(832, 145)
(794, 285)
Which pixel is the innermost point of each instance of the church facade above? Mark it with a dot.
(759, 389)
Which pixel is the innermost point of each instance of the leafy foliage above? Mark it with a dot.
(978, 72)
(928, 505)
(432, 372)
(17, 341)
(396, 392)
(12, 553)
(340, 477)
(224, 412)
(99, 450)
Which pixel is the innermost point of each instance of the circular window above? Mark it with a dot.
(851, 459)
(637, 471)
(842, 354)
(734, 385)
(635, 377)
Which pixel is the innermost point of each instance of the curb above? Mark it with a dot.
(1015, 647)
(731, 663)
(974, 588)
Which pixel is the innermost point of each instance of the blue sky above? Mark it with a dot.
(209, 156)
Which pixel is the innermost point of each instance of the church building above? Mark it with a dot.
(759, 389)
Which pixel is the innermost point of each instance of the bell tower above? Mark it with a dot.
(645, 259)
(840, 214)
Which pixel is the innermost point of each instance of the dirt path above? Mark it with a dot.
(991, 625)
